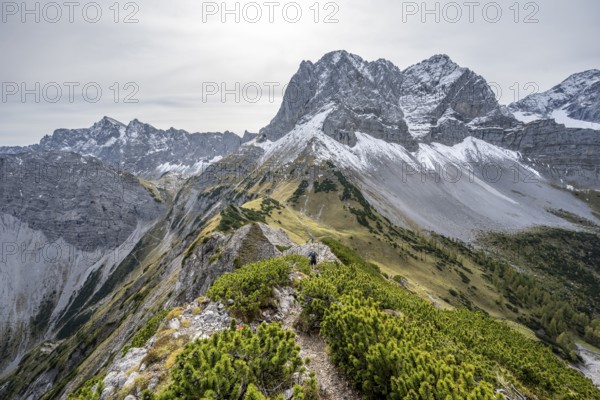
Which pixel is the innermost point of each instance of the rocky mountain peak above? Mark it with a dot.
(436, 70)
(140, 148)
(363, 94)
(577, 82)
(402, 107)
(577, 98)
(248, 136)
(136, 127)
(108, 121)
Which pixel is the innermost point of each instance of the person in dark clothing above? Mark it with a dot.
(312, 256)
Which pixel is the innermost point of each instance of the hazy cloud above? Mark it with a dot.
(165, 60)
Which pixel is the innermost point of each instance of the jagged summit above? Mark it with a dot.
(141, 148)
(436, 59)
(109, 121)
(336, 55)
(436, 67)
(350, 100)
(377, 97)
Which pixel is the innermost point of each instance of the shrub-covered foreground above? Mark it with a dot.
(240, 364)
(394, 345)
(391, 344)
(249, 288)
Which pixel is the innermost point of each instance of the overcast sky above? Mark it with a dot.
(177, 57)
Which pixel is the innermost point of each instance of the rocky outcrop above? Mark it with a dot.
(221, 253)
(567, 156)
(141, 367)
(322, 251)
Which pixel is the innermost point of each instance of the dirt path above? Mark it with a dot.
(332, 384)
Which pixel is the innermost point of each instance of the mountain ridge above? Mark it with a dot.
(141, 148)
(577, 98)
(435, 100)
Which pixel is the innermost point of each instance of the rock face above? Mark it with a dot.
(565, 156)
(437, 101)
(221, 253)
(77, 198)
(380, 99)
(578, 96)
(65, 222)
(140, 148)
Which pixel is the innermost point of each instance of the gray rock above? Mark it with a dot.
(140, 148)
(212, 308)
(71, 220)
(579, 95)
(287, 395)
(106, 392)
(131, 379)
(565, 156)
(248, 244)
(115, 379)
(323, 252)
(132, 359)
(174, 324)
(285, 300)
(153, 382)
(380, 99)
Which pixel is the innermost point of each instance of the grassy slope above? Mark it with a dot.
(325, 215)
(436, 268)
(592, 197)
(421, 259)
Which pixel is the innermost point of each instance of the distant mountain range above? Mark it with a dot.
(140, 148)
(433, 101)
